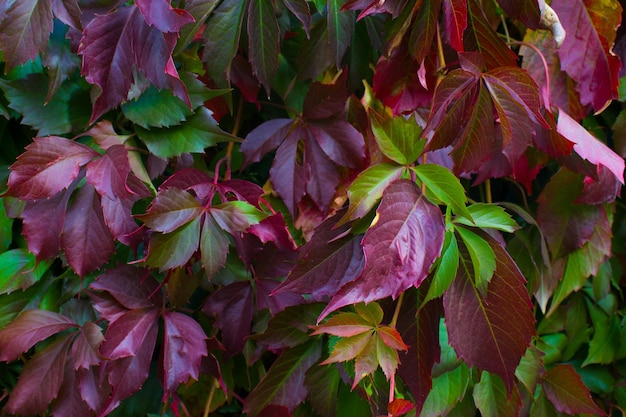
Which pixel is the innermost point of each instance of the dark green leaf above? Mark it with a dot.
(263, 42)
(170, 250)
(340, 27)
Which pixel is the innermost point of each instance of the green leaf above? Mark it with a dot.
(323, 382)
(19, 270)
(490, 216)
(200, 131)
(236, 216)
(398, 138)
(530, 369)
(444, 186)
(6, 228)
(368, 187)
(371, 312)
(447, 269)
(492, 399)
(263, 41)
(605, 343)
(284, 382)
(448, 389)
(200, 10)
(170, 250)
(482, 256)
(340, 27)
(213, 246)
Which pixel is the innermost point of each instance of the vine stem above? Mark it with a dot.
(488, 191)
(546, 89)
(396, 313)
(207, 406)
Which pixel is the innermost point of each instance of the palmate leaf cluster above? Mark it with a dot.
(312, 208)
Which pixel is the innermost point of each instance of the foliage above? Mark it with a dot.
(312, 208)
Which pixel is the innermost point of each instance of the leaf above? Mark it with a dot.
(322, 383)
(448, 389)
(163, 16)
(447, 269)
(200, 10)
(340, 141)
(399, 249)
(288, 177)
(236, 216)
(444, 186)
(24, 31)
(565, 389)
(489, 216)
(28, 328)
(174, 249)
(397, 137)
(586, 53)
(263, 139)
(526, 10)
(290, 328)
(183, 348)
(284, 382)
(368, 188)
(213, 246)
(605, 342)
(86, 239)
(109, 173)
(19, 270)
(455, 21)
(171, 209)
(492, 399)
(129, 286)
(479, 327)
(126, 335)
(300, 9)
(482, 256)
(200, 131)
(40, 380)
(325, 100)
(48, 166)
(589, 147)
(424, 29)
(85, 347)
(114, 43)
(531, 369)
(340, 27)
(263, 45)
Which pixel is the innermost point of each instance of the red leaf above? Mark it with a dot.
(183, 348)
(586, 53)
(28, 328)
(263, 43)
(113, 44)
(424, 29)
(24, 31)
(49, 165)
(40, 380)
(86, 239)
(455, 20)
(479, 327)
(161, 15)
(109, 173)
(565, 389)
(85, 347)
(68, 12)
(69, 402)
(322, 173)
(399, 407)
(126, 335)
(399, 248)
(589, 147)
(274, 302)
(171, 209)
(129, 286)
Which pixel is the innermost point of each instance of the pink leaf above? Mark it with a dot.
(399, 249)
(49, 165)
(28, 328)
(589, 147)
(183, 348)
(565, 389)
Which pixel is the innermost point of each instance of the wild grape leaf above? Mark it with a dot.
(448, 390)
(19, 270)
(86, 239)
(444, 187)
(163, 16)
(236, 216)
(325, 100)
(40, 380)
(24, 31)
(397, 137)
(455, 21)
(567, 392)
(399, 248)
(290, 327)
(589, 147)
(447, 268)
(283, 384)
(424, 29)
(488, 341)
(315, 55)
(264, 43)
(586, 53)
(482, 257)
(113, 44)
(370, 7)
(420, 331)
(329, 260)
(340, 27)
(183, 348)
(221, 39)
(491, 397)
(489, 216)
(322, 383)
(28, 328)
(525, 10)
(198, 132)
(126, 335)
(109, 173)
(49, 165)
(234, 307)
(340, 141)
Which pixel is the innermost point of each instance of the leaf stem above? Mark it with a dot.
(546, 89)
(440, 55)
(488, 191)
(396, 313)
(207, 406)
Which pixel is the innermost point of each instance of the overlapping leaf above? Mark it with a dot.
(566, 390)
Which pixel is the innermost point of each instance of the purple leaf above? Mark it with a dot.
(325, 100)
(264, 139)
(274, 302)
(525, 10)
(300, 9)
(86, 239)
(68, 12)
(126, 335)
(289, 177)
(161, 15)
(129, 286)
(85, 347)
(28, 328)
(49, 165)
(40, 380)
(589, 147)
(323, 175)
(183, 348)
(233, 305)
(264, 42)
(399, 249)
(343, 144)
(69, 402)
(94, 387)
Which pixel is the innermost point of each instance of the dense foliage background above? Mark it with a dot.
(312, 208)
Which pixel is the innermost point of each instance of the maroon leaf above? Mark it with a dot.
(602, 190)
(455, 20)
(68, 12)
(525, 10)
(274, 302)
(85, 347)
(287, 175)
(399, 249)
(234, 307)
(86, 239)
(69, 402)
(325, 100)
(263, 45)
(424, 29)
(323, 176)
(28, 328)
(129, 286)
(161, 15)
(586, 53)
(40, 380)
(171, 209)
(24, 31)
(49, 165)
(113, 44)
(126, 335)
(567, 392)
(183, 348)
(109, 173)
(94, 388)
(264, 139)
(340, 141)
(300, 9)
(479, 326)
